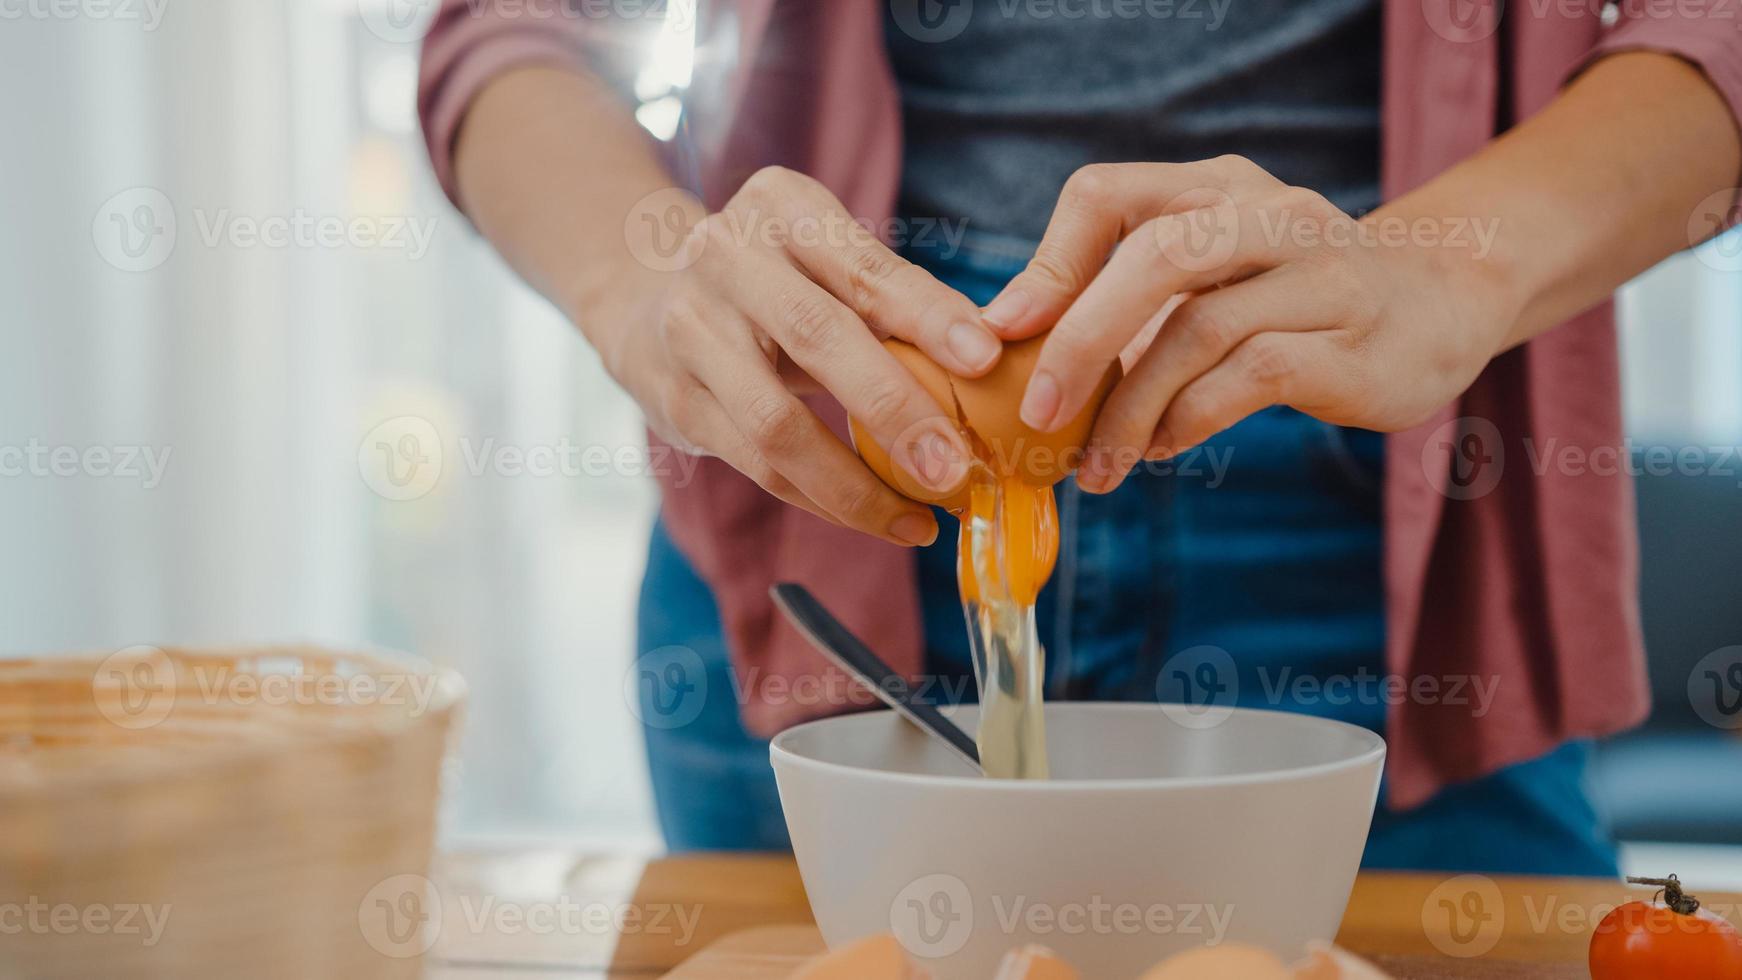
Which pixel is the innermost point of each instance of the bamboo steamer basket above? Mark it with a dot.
(170, 813)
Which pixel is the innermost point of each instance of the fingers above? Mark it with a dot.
(1194, 250)
(831, 345)
(881, 288)
(1266, 369)
(708, 429)
(1196, 336)
(1099, 207)
(779, 442)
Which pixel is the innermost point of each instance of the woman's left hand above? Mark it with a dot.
(1228, 291)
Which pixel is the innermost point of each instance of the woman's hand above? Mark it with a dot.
(1228, 291)
(782, 290)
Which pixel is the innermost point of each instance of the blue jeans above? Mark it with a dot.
(1247, 571)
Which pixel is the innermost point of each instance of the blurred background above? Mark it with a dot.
(304, 401)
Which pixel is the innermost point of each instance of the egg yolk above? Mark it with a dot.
(1027, 534)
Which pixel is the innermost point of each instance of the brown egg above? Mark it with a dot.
(1230, 961)
(873, 958)
(989, 408)
(936, 381)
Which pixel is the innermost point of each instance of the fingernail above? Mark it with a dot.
(974, 348)
(1007, 308)
(1093, 476)
(1042, 401)
(937, 458)
(915, 528)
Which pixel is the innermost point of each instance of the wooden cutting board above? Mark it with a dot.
(774, 952)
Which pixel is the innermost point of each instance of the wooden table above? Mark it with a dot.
(558, 915)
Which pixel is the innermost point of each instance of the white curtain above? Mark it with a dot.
(258, 356)
(266, 373)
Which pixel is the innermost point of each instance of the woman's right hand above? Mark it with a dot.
(778, 292)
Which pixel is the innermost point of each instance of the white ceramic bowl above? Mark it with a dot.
(1164, 829)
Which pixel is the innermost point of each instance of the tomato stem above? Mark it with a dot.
(1670, 891)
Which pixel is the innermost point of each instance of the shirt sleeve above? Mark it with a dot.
(1707, 35)
(471, 42)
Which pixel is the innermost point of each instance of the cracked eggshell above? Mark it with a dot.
(936, 382)
(1325, 962)
(990, 407)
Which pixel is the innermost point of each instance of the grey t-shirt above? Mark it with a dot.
(1003, 99)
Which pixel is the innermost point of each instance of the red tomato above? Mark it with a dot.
(1657, 941)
